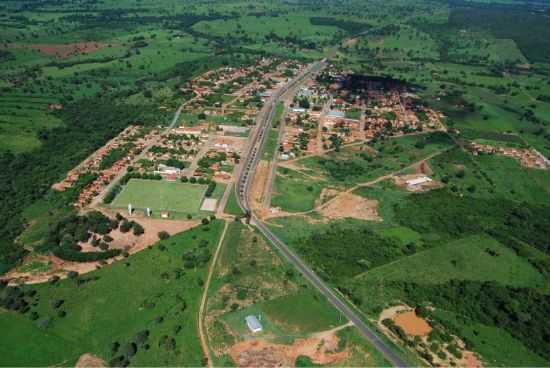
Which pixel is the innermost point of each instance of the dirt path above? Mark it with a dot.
(202, 334)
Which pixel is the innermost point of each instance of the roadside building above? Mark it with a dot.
(418, 182)
(253, 324)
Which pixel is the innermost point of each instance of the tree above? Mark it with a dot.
(125, 226)
(137, 229)
(163, 235)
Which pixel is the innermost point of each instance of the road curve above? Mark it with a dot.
(242, 190)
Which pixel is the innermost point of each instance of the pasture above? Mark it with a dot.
(475, 258)
(158, 195)
(104, 307)
(295, 192)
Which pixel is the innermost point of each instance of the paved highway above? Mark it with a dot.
(242, 188)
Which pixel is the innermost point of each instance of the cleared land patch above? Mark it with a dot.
(412, 324)
(351, 205)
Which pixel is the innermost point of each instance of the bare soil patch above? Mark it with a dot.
(321, 348)
(89, 360)
(423, 167)
(350, 205)
(470, 360)
(133, 244)
(258, 186)
(351, 42)
(326, 195)
(63, 51)
(125, 241)
(412, 324)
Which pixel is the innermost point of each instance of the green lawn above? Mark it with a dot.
(154, 290)
(48, 348)
(466, 259)
(182, 198)
(294, 192)
(232, 206)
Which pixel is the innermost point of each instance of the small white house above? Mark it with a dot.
(253, 324)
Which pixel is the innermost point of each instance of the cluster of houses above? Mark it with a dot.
(530, 158)
(333, 109)
(131, 141)
(230, 89)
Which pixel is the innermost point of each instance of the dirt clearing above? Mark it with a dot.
(412, 324)
(350, 205)
(321, 348)
(125, 241)
(89, 360)
(258, 187)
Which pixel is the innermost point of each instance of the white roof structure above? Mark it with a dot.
(253, 324)
(336, 114)
(418, 181)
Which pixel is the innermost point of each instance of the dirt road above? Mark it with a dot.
(202, 333)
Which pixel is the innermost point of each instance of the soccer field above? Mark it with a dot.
(160, 195)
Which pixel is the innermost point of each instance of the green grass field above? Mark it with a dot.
(153, 290)
(294, 192)
(180, 198)
(466, 259)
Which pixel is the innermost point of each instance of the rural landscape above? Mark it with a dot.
(204, 183)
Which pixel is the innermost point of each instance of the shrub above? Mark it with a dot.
(56, 303)
(141, 337)
(163, 235)
(76, 256)
(125, 226)
(114, 347)
(129, 349)
(210, 189)
(137, 229)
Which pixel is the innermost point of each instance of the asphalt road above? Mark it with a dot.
(242, 189)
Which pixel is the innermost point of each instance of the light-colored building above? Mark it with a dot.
(416, 182)
(253, 324)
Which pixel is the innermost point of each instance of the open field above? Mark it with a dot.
(473, 258)
(294, 192)
(103, 308)
(159, 196)
(251, 279)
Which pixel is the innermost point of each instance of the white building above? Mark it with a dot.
(417, 182)
(253, 324)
